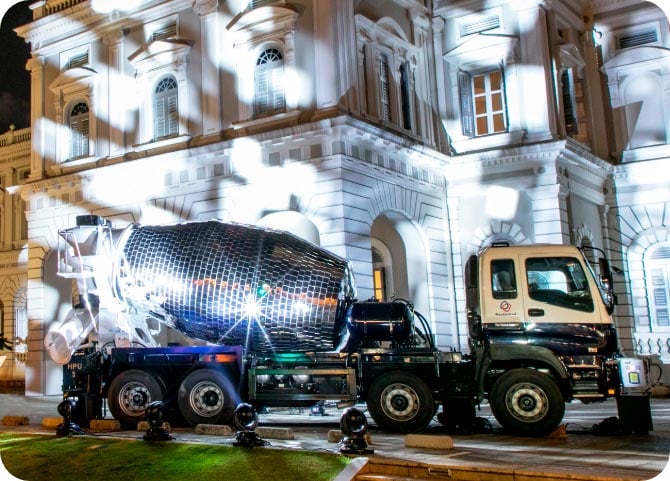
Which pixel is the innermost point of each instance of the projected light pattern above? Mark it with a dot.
(236, 284)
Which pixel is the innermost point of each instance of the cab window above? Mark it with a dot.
(503, 280)
(559, 281)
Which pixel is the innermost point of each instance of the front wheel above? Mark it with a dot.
(527, 402)
(206, 397)
(400, 402)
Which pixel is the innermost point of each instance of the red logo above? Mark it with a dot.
(505, 306)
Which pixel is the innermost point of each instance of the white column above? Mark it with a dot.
(535, 72)
(550, 214)
(335, 57)
(116, 114)
(422, 89)
(35, 66)
(210, 91)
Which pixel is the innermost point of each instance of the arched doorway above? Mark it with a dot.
(400, 248)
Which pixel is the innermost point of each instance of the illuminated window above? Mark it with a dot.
(482, 103)
(269, 83)
(79, 130)
(657, 273)
(166, 116)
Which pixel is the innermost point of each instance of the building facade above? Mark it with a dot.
(403, 135)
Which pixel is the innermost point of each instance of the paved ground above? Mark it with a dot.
(577, 455)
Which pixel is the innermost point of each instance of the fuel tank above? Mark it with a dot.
(235, 284)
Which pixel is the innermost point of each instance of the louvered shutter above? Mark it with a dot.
(279, 101)
(173, 116)
(385, 89)
(262, 92)
(159, 117)
(84, 136)
(465, 93)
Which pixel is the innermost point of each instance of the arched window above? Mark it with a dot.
(269, 83)
(166, 115)
(657, 275)
(79, 130)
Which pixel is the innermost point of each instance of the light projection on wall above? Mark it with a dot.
(501, 202)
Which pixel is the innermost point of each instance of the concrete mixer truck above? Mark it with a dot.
(204, 315)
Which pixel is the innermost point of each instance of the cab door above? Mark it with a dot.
(561, 309)
(502, 298)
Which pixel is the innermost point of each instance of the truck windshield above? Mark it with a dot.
(559, 281)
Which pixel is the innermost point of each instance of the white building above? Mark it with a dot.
(402, 135)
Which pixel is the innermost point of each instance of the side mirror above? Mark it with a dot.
(607, 284)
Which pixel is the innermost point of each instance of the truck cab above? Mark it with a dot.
(540, 331)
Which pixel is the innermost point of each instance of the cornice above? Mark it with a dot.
(50, 31)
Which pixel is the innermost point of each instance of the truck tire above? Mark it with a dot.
(130, 393)
(400, 402)
(527, 402)
(206, 397)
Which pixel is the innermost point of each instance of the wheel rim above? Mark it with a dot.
(206, 399)
(400, 402)
(134, 397)
(526, 402)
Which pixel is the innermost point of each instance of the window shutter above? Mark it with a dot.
(159, 118)
(405, 97)
(166, 112)
(465, 92)
(165, 32)
(262, 92)
(570, 116)
(78, 60)
(269, 83)
(278, 87)
(84, 136)
(173, 117)
(385, 90)
(79, 130)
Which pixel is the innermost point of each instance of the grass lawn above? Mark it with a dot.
(46, 458)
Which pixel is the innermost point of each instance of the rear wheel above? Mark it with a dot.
(400, 402)
(527, 402)
(206, 397)
(130, 393)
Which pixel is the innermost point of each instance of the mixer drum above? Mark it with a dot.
(236, 284)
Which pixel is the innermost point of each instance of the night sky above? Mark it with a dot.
(14, 79)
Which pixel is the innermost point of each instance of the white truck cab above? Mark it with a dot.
(540, 332)
(539, 284)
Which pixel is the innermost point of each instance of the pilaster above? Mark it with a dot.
(539, 110)
(210, 97)
(115, 108)
(35, 66)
